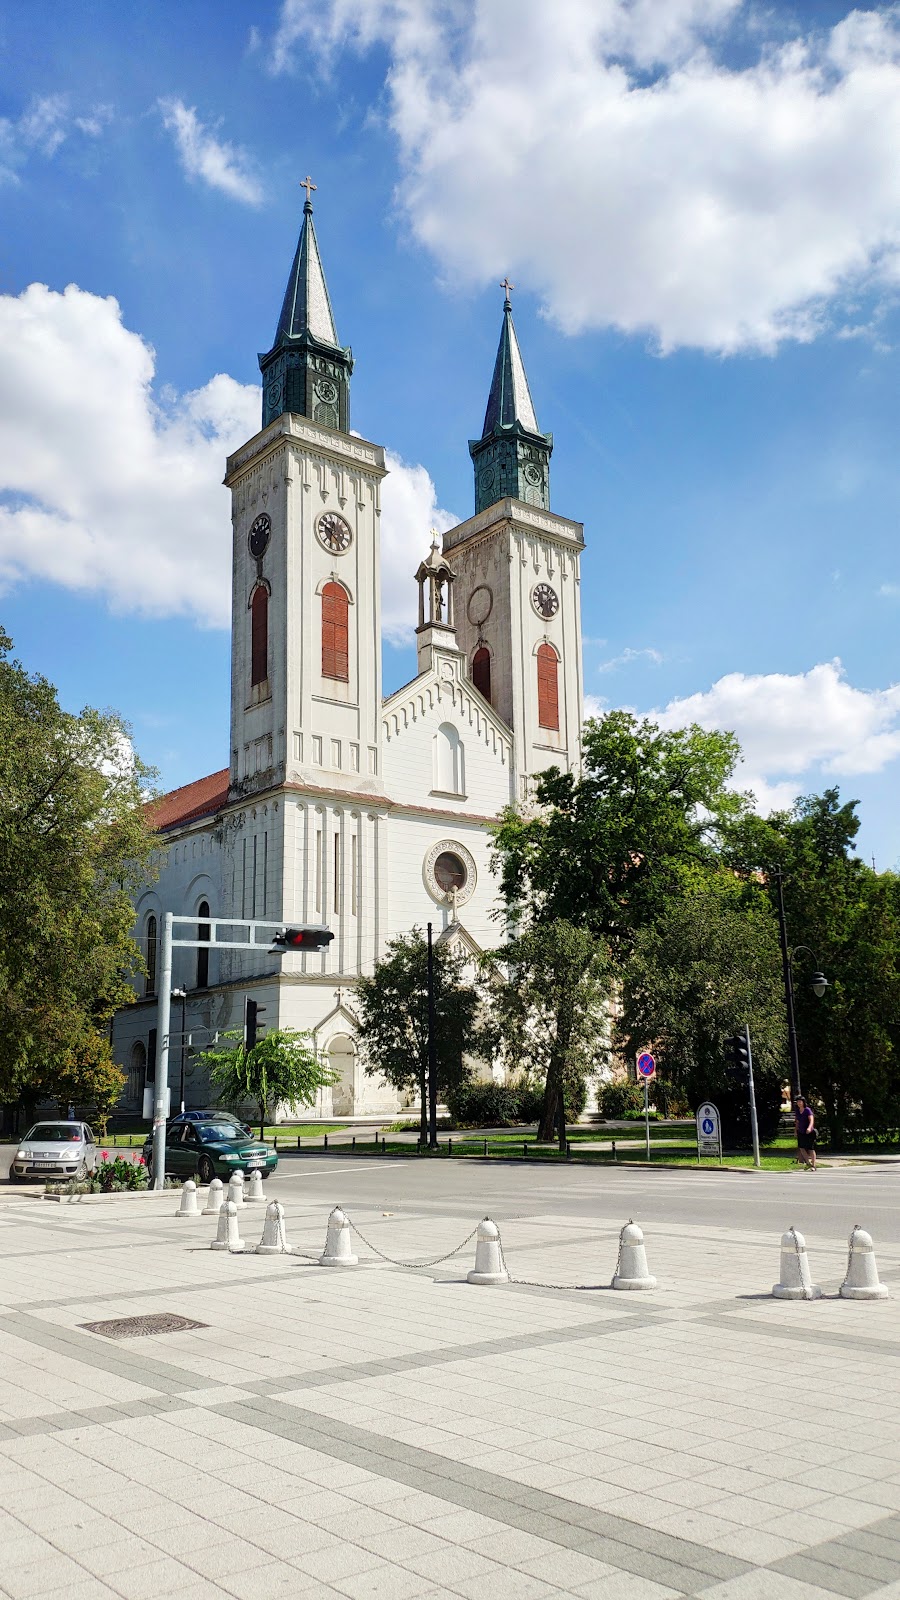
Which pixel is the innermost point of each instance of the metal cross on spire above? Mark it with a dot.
(507, 286)
(307, 184)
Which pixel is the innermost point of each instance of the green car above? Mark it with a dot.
(211, 1150)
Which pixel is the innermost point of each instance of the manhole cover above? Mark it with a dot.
(137, 1327)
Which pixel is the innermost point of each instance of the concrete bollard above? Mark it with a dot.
(632, 1271)
(227, 1236)
(236, 1188)
(215, 1196)
(273, 1241)
(796, 1281)
(489, 1265)
(862, 1281)
(189, 1206)
(337, 1252)
(256, 1194)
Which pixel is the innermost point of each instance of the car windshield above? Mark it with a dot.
(215, 1132)
(54, 1133)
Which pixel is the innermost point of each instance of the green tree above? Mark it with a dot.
(547, 1011)
(74, 849)
(88, 1076)
(392, 1008)
(283, 1068)
(849, 918)
(608, 850)
(709, 964)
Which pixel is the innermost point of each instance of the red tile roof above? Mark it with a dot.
(192, 801)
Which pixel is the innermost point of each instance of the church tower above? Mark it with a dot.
(306, 623)
(516, 567)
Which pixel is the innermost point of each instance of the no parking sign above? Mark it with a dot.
(646, 1065)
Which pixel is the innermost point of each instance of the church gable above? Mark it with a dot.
(444, 742)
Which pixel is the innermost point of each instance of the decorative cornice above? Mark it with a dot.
(519, 517)
(290, 428)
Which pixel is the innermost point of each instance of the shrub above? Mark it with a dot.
(620, 1100)
(483, 1104)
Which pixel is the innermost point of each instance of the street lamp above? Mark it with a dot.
(181, 994)
(818, 982)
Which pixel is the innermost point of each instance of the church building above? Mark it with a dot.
(338, 806)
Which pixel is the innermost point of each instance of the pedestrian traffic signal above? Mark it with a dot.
(303, 938)
(252, 1025)
(737, 1057)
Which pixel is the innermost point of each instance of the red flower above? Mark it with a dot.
(104, 1155)
(139, 1160)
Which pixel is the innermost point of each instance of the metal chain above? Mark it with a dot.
(394, 1262)
(849, 1257)
(533, 1283)
(805, 1289)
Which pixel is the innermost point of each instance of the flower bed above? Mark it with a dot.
(111, 1176)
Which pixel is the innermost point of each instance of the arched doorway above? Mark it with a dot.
(342, 1060)
(137, 1072)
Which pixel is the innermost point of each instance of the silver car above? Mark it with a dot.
(55, 1150)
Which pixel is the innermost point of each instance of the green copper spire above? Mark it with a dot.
(512, 457)
(307, 370)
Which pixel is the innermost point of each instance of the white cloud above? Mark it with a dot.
(409, 510)
(214, 161)
(629, 656)
(108, 487)
(43, 126)
(606, 153)
(890, 591)
(811, 725)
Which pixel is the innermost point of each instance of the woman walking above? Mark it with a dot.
(805, 1123)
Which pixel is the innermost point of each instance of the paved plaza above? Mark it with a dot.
(389, 1433)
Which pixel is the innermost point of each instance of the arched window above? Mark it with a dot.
(335, 647)
(259, 635)
(548, 687)
(152, 941)
(203, 932)
(481, 671)
(449, 760)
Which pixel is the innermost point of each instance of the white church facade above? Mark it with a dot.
(340, 807)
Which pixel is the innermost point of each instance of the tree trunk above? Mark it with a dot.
(547, 1124)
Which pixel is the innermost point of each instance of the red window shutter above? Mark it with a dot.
(481, 671)
(259, 636)
(548, 687)
(335, 633)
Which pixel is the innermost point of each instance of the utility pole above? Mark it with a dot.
(754, 1125)
(777, 875)
(432, 1050)
(160, 1107)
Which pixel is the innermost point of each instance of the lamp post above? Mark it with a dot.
(818, 982)
(181, 994)
(432, 1053)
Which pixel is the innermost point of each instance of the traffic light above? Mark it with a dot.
(252, 1025)
(737, 1058)
(303, 938)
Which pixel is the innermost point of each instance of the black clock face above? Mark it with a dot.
(334, 532)
(545, 600)
(259, 535)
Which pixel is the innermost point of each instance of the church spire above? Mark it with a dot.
(307, 371)
(512, 457)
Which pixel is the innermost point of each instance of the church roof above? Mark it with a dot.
(193, 800)
(307, 308)
(509, 401)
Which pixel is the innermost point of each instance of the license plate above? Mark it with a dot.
(45, 1165)
(252, 1164)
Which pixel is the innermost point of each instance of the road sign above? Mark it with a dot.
(646, 1065)
(709, 1131)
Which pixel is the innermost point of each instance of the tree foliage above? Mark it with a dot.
(392, 1011)
(606, 851)
(74, 849)
(709, 964)
(547, 1009)
(283, 1068)
(848, 917)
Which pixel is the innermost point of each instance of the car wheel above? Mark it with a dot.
(205, 1170)
(81, 1172)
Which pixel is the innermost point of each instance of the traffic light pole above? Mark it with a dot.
(778, 875)
(432, 1049)
(754, 1125)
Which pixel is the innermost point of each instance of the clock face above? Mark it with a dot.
(334, 533)
(545, 600)
(259, 535)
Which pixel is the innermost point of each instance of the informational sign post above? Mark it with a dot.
(709, 1131)
(646, 1066)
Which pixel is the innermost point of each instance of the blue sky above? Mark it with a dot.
(699, 203)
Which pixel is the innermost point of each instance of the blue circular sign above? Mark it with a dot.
(708, 1126)
(646, 1065)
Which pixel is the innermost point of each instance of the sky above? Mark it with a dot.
(698, 202)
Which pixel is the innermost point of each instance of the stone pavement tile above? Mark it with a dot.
(452, 1564)
(789, 1496)
(805, 1526)
(625, 1586)
(269, 1581)
(408, 1541)
(217, 1560)
(506, 1584)
(833, 1580)
(749, 1544)
(107, 1559)
(376, 1491)
(384, 1583)
(735, 1508)
(460, 1527)
(50, 1571)
(566, 1568)
(513, 1546)
(763, 1585)
(341, 1561)
(145, 1582)
(841, 1508)
(600, 1496)
(87, 1589)
(885, 1495)
(698, 1526)
(831, 1480)
(689, 1492)
(353, 1520)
